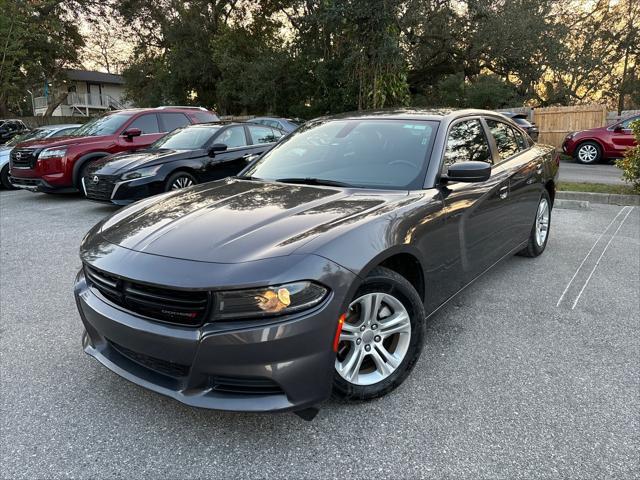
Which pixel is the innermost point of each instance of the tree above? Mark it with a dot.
(39, 40)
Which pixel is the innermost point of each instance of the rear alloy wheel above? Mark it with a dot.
(588, 153)
(180, 180)
(4, 178)
(540, 231)
(381, 337)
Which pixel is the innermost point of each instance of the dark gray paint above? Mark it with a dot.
(240, 234)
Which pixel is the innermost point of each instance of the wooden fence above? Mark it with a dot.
(556, 122)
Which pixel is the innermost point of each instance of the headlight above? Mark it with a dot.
(269, 301)
(571, 135)
(52, 153)
(141, 172)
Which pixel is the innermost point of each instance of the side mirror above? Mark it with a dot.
(618, 128)
(132, 132)
(216, 148)
(468, 172)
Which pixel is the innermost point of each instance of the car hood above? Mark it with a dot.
(592, 131)
(61, 141)
(236, 220)
(123, 162)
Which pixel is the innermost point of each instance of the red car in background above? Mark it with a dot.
(57, 165)
(596, 144)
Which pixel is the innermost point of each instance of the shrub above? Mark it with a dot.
(630, 164)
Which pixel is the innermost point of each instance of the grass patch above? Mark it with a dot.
(595, 188)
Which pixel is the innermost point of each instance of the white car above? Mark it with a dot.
(46, 131)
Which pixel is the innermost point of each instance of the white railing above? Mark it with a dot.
(81, 101)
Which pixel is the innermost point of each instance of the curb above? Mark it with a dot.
(605, 198)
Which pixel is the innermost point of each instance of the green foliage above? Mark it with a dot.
(630, 164)
(313, 57)
(37, 41)
(484, 91)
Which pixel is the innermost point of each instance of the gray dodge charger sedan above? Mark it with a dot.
(315, 269)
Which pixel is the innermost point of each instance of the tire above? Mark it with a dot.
(4, 178)
(588, 153)
(536, 245)
(179, 180)
(82, 172)
(371, 381)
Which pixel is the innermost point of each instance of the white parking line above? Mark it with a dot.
(587, 255)
(600, 258)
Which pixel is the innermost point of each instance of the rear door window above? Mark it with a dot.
(505, 138)
(171, 121)
(147, 123)
(262, 134)
(232, 137)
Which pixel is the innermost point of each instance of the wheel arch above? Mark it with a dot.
(82, 161)
(550, 187)
(182, 168)
(404, 260)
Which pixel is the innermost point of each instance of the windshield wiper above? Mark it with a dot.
(314, 181)
(242, 177)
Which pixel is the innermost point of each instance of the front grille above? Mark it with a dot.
(162, 366)
(99, 187)
(157, 303)
(23, 158)
(246, 385)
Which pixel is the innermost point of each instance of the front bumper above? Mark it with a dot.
(277, 365)
(111, 189)
(37, 185)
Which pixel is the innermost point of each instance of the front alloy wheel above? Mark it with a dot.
(180, 180)
(375, 339)
(381, 337)
(588, 153)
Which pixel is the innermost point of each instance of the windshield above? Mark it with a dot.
(190, 138)
(36, 134)
(363, 153)
(106, 125)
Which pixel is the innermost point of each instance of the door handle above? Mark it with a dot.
(503, 192)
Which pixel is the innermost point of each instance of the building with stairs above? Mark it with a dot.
(89, 93)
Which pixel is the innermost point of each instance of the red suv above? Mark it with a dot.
(596, 144)
(57, 165)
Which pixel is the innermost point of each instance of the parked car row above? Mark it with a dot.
(309, 261)
(130, 154)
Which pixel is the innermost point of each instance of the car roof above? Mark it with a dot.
(438, 114)
(167, 109)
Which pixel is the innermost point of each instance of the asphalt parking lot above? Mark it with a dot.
(532, 372)
(572, 171)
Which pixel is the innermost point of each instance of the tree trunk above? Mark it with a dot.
(55, 104)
